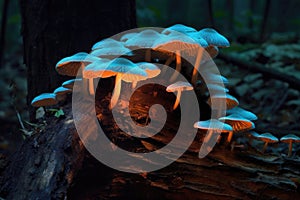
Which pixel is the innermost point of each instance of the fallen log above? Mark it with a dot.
(267, 72)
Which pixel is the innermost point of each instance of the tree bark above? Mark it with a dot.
(53, 30)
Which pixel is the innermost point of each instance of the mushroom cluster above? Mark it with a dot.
(134, 56)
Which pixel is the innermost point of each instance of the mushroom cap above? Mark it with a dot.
(98, 69)
(216, 78)
(107, 43)
(214, 38)
(179, 28)
(127, 36)
(290, 138)
(242, 112)
(128, 70)
(70, 83)
(213, 124)
(144, 39)
(62, 90)
(182, 43)
(45, 99)
(238, 123)
(216, 87)
(179, 85)
(70, 65)
(253, 134)
(231, 101)
(198, 38)
(112, 52)
(151, 69)
(268, 137)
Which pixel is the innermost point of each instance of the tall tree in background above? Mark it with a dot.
(46, 164)
(53, 30)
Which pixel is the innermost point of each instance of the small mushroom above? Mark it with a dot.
(45, 99)
(179, 87)
(213, 126)
(267, 138)
(112, 52)
(61, 93)
(242, 112)
(151, 70)
(238, 124)
(70, 83)
(290, 139)
(214, 38)
(231, 101)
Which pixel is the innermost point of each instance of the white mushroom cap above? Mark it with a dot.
(45, 99)
(214, 38)
(179, 85)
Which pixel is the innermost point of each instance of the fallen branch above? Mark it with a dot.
(265, 71)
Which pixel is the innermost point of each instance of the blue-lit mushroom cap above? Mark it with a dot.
(239, 124)
(242, 113)
(70, 65)
(214, 38)
(268, 137)
(217, 97)
(112, 52)
(62, 91)
(144, 39)
(179, 28)
(198, 38)
(45, 99)
(107, 43)
(290, 139)
(213, 124)
(70, 83)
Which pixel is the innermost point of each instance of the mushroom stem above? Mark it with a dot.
(265, 147)
(148, 55)
(178, 96)
(196, 67)
(166, 65)
(230, 134)
(133, 85)
(91, 86)
(178, 66)
(116, 92)
(290, 148)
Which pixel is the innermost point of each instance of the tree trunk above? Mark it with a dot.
(53, 30)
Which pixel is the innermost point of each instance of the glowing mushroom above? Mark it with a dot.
(151, 70)
(214, 38)
(290, 139)
(179, 87)
(61, 93)
(125, 70)
(97, 69)
(267, 138)
(178, 28)
(242, 113)
(107, 43)
(238, 124)
(45, 99)
(144, 39)
(70, 83)
(112, 52)
(213, 126)
(230, 100)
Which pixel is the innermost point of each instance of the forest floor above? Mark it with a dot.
(276, 105)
